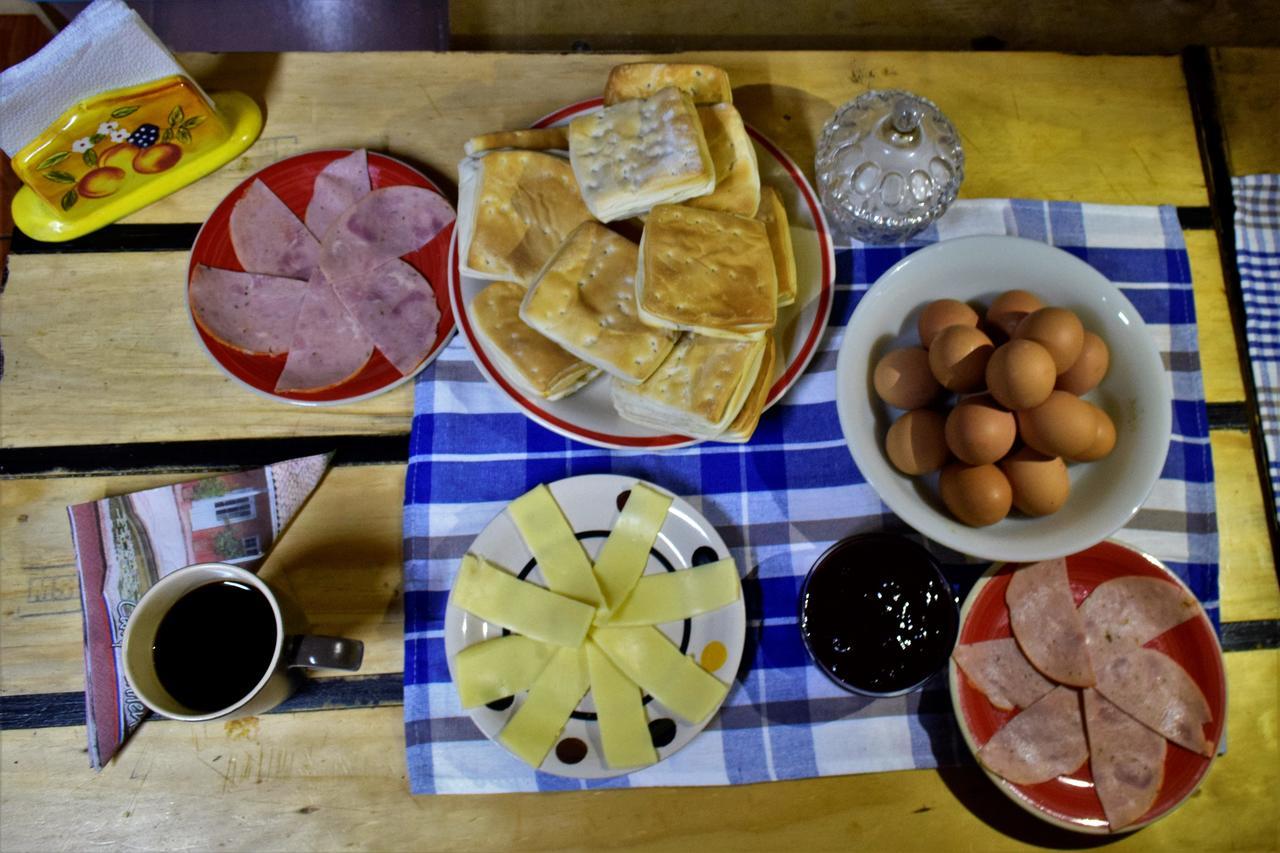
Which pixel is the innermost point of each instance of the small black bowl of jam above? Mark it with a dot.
(877, 614)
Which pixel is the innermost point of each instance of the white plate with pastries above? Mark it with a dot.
(587, 411)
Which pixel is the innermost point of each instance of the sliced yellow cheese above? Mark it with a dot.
(671, 596)
(648, 658)
(624, 728)
(499, 668)
(498, 596)
(534, 727)
(559, 553)
(625, 553)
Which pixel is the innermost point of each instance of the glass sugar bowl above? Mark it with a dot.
(888, 163)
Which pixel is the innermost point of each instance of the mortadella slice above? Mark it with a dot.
(1126, 612)
(1041, 743)
(397, 309)
(385, 224)
(1153, 689)
(269, 238)
(1126, 760)
(250, 312)
(338, 186)
(328, 344)
(1002, 672)
(1046, 624)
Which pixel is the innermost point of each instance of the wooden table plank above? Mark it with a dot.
(1219, 354)
(1249, 588)
(332, 779)
(1248, 90)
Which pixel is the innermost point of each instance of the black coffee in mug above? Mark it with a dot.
(214, 645)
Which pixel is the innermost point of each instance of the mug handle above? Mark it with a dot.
(321, 652)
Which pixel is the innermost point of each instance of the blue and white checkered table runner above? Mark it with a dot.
(1257, 200)
(779, 502)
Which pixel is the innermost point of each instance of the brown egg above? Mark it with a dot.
(1008, 309)
(977, 495)
(1063, 425)
(1089, 368)
(939, 314)
(1104, 439)
(1058, 330)
(1020, 374)
(1040, 483)
(916, 443)
(903, 379)
(958, 358)
(979, 431)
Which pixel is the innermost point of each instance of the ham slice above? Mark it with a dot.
(269, 238)
(1126, 759)
(1153, 689)
(1002, 672)
(1041, 743)
(1046, 624)
(328, 344)
(338, 186)
(1124, 613)
(250, 312)
(385, 224)
(397, 309)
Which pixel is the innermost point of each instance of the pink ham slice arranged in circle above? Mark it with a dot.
(397, 309)
(1000, 670)
(268, 237)
(328, 345)
(1127, 612)
(1156, 691)
(385, 224)
(339, 185)
(1126, 760)
(250, 312)
(1041, 743)
(1043, 616)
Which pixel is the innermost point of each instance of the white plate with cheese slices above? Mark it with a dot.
(589, 415)
(714, 639)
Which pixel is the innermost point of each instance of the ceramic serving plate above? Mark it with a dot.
(715, 639)
(292, 180)
(1070, 801)
(588, 415)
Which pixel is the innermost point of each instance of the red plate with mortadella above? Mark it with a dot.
(246, 277)
(1145, 626)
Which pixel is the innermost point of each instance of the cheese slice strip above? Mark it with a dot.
(672, 596)
(559, 554)
(624, 728)
(534, 727)
(625, 553)
(497, 668)
(648, 658)
(498, 596)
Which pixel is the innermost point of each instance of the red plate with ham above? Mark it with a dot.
(294, 182)
(1070, 800)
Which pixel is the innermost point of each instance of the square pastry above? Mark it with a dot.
(704, 84)
(737, 173)
(585, 300)
(706, 272)
(774, 217)
(514, 210)
(636, 154)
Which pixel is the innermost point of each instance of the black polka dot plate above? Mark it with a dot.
(715, 640)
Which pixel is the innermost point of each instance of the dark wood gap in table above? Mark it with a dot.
(1197, 69)
(210, 455)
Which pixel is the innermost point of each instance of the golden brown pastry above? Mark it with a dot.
(774, 217)
(744, 425)
(704, 84)
(737, 173)
(532, 139)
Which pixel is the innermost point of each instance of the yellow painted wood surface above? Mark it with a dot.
(1219, 355)
(1248, 88)
(1249, 588)
(336, 779)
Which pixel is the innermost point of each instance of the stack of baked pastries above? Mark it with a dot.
(682, 322)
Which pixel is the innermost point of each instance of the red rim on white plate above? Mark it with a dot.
(588, 415)
(292, 179)
(1070, 801)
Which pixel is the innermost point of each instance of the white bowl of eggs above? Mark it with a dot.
(1003, 398)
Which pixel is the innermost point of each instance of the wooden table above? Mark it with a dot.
(106, 391)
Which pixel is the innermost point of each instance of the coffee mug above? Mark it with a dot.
(225, 642)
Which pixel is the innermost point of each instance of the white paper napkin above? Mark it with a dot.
(107, 46)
